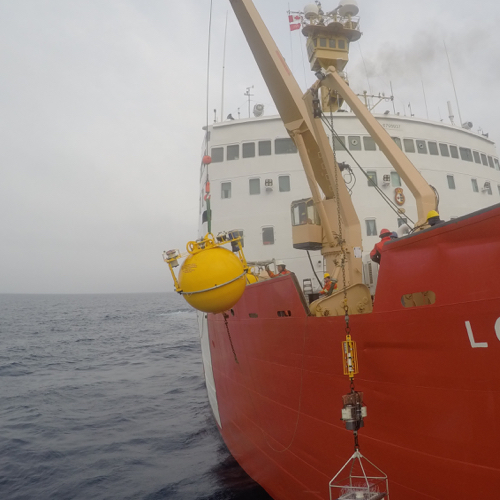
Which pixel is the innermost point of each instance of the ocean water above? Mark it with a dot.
(103, 397)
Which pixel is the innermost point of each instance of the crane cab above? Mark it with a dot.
(307, 233)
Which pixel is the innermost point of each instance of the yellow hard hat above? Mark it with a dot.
(432, 213)
(326, 275)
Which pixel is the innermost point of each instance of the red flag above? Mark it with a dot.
(294, 25)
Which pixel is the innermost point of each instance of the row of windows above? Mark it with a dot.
(254, 186)
(486, 187)
(354, 143)
(395, 181)
(252, 149)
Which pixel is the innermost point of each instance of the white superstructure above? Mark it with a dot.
(256, 173)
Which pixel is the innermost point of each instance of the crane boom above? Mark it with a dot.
(312, 143)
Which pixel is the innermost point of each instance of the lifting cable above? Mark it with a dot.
(391, 204)
(314, 270)
(353, 411)
(207, 132)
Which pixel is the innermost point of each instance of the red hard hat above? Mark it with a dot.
(383, 232)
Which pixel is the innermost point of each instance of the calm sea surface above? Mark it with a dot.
(103, 397)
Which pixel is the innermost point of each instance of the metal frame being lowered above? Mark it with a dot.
(329, 36)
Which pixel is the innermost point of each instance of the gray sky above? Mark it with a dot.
(102, 104)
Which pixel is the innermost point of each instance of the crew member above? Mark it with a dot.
(433, 218)
(282, 270)
(376, 253)
(330, 286)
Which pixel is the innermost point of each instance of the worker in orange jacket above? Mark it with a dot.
(330, 286)
(376, 253)
(282, 270)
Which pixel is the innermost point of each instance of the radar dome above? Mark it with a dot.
(348, 8)
(311, 11)
(258, 110)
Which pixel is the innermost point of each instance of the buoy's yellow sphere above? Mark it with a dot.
(215, 270)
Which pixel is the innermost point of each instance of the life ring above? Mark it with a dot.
(399, 197)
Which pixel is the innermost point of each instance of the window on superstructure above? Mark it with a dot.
(332, 43)
(372, 178)
(490, 162)
(284, 183)
(477, 158)
(354, 142)
(451, 181)
(409, 145)
(371, 227)
(233, 152)
(466, 154)
(402, 220)
(443, 148)
(284, 146)
(339, 142)
(433, 148)
(397, 140)
(264, 148)
(268, 235)
(225, 190)
(421, 147)
(369, 143)
(487, 187)
(395, 179)
(484, 160)
(342, 44)
(497, 165)
(248, 150)
(254, 186)
(217, 155)
(322, 42)
(475, 187)
(454, 152)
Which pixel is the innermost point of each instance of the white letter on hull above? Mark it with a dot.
(473, 343)
(497, 328)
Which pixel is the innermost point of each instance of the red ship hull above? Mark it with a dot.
(430, 374)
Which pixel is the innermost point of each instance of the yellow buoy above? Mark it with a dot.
(212, 280)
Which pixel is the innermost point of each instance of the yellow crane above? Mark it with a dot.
(328, 39)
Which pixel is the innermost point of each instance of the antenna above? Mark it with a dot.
(425, 100)
(392, 97)
(451, 116)
(453, 82)
(248, 94)
(223, 70)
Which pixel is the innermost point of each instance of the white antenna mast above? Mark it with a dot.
(249, 95)
(223, 71)
(453, 82)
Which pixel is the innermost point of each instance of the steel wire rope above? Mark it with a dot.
(391, 204)
(343, 250)
(207, 133)
(314, 270)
